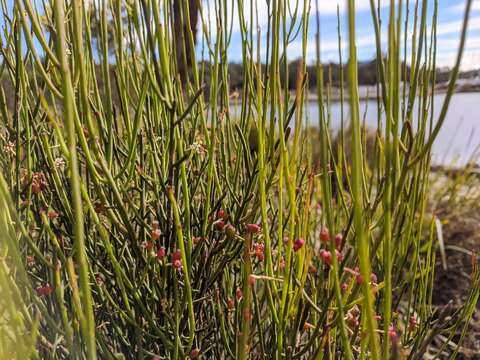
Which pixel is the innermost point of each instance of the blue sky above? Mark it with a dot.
(450, 15)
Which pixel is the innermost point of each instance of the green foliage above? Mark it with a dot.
(162, 225)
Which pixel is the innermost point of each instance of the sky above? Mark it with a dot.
(450, 15)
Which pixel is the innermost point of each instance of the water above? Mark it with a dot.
(458, 141)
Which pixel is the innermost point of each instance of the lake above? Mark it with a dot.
(457, 143)
(458, 140)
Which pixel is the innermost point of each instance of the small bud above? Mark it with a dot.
(230, 304)
(412, 323)
(44, 290)
(52, 214)
(155, 234)
(373, 278)
(392, 333)
(298, 244)
(221, 214)
(238, 293)
(230, 231)
(219, 225)
(147, 245)
(339, 255)
(161, 253)
(344, 287)
(253, 228)
(176, 259)
(259, 251)
(338, 240)
(326, 256)
(325, 235)
(194, 353)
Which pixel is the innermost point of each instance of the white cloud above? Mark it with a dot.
(455, 26)
(470, 59)
(461, 7)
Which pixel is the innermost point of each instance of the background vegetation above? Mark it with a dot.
(160, 225)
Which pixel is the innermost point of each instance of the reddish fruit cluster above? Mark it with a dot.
(219, 225)
(324, 235)
(326, 256)
(298, 244)
(176, 259)
(194, 353)
(392, 333)
(238, 293)
(147, 245)
(221, 214)
(44, 290)
(39, 183)
(259, 251)
(230, 304)
(155, 234)
(253, 228)
(161, 253)
(52, 214)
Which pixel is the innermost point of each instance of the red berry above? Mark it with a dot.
(238, 293)
(52, 214)
(344, 287)
(155, 234)
(194, 353)
(231, 304)
(161, 253)
(221, 214)
(324, 235)
(176, 259)
(253, 228)
(392, 333)
(259, 251)
(219, 225)
(338, 240)
(44, 290)
(326, 256)
(147, 245)
(298, 244)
